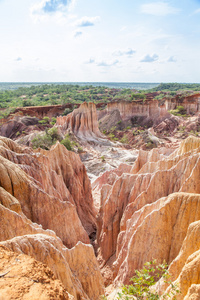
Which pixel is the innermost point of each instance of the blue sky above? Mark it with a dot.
(100, 40)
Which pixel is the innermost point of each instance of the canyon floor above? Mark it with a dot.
(78, 224)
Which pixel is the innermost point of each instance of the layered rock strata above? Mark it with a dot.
(48, 190)
(43, 182)
(149, 109)
(76, 268)
(184, 269)
(83, 123)
(145, 213)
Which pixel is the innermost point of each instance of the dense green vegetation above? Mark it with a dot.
(46, 139)
(52, 94)
(49, 137)
(179, 111)
(173, 87)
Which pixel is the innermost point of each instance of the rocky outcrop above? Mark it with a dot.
(44, 183)
(43, 111)
(184, 268)
(191, 103)
(149, 109)
(168, 125)
(111, 120)
(140, 216)
(37, 193)
(22, 277)
(76, 268)
(156, 232)
(83, 123)
(14, 127)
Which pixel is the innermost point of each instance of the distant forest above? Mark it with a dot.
(177, 87)
(52, 94)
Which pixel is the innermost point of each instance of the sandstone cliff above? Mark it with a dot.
(148, 211)
(191, 103)
(49, 190)
(149, 109)
(83, 123)
(145, 213)
(76, 268)
(184, 269)
(44, 185)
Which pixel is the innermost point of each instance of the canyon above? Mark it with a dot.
(78, 225)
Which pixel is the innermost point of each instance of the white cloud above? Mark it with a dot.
(158, 9)
(78, 34)
(57, 9)
(128, 52)
(108, 63)
(149, 58)
(87, 21)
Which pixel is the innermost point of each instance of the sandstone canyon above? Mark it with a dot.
(64, 236)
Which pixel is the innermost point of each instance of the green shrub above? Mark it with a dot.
(44, 121)
(5, 113)
(42, 141)
(144, 280)
(179, 111)
(46, 140)
(27, 103)
(124, 139)
(53, 132)
(67, 143)
(113, 128)
(111, 136)
(53, 121)
(67, 111)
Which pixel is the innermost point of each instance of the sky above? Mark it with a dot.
(99, 41)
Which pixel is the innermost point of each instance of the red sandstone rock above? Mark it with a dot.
(129, 109)
(184, 268)
(134, 213)
(22, 277)
(76, 268)
(49, 188)
(160, 234)
(83, 123)
(44, 186)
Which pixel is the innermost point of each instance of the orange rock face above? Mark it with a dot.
(44, 184)
(146, 212)
(43, 190)
(158, 233)
(150, 109)
(76, 268)
(22, 277)
(185, 268)
(83, 123)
